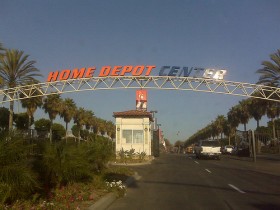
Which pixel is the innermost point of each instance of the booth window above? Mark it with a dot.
(133, 136)
(138, 136)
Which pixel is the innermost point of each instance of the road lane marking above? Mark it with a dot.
(196, 162)
(236, 188)
(208, 170)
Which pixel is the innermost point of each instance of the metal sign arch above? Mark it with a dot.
(147, 82)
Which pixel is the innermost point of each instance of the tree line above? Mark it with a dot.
(34, 169)
(251, 108)
(16, 69)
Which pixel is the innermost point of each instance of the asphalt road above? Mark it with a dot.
(182, 182)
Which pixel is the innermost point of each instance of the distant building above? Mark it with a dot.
(133, 131)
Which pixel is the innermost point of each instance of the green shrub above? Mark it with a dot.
(65, 163)
(98, 153)
(58, 132)
(17, 180)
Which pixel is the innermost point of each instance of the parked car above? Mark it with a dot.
(210, 149)
(241, 151)
(227, 149)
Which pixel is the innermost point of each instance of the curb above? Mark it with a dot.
(132, 164)
(104, 202)
(108, 199)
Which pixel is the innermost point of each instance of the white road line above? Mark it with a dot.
(208, 170)
(196, 162)
(237, 189)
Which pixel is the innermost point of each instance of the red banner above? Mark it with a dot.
(141, 100)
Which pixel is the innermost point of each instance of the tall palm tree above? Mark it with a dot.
(233, 118)
(31, 104)
(270, 73)
(111, 129)
(15, 69)
(68, 111)
(89, 117)
(80, 120)
(257, 108)
(1, 54)
(214, 130)
(243, 113)
(220, 122)
(1, 49)
(53, 106)
(273, 111)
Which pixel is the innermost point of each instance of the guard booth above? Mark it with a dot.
(133, 131)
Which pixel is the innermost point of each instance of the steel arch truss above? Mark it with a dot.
(148, 82)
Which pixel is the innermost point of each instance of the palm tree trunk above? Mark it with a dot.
(51, 131)
(79, 134)
(29, 125)
(11, 115)
(66, 127)
(273, 128)
(258, 123)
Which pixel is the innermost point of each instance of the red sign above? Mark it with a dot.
(141, 100)
(104, 72)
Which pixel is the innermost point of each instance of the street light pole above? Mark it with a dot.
(154, 119)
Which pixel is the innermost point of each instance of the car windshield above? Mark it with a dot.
(210, 143)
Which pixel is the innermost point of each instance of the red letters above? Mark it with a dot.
(64, 75)
(52, 76)
(116, 70)
(149, 69)
(90, 72)
(78, 73)
(138, 70)
(105, 71)
(126, 69)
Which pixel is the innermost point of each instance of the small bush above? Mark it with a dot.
(17, 180)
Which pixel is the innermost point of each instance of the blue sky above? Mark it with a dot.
(234, 35)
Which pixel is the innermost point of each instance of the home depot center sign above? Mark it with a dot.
(141, 70)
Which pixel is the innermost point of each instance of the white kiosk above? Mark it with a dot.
(133, 131)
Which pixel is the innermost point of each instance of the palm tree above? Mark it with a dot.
(31, 105)
(243, 113)
(53, 106)
(273, 111)
(270, 73)
(111, 130)
(233, 120)
(15, 69)
(68, 111)
(220, 122)
(80, 119)
(1, 54)
(257, 108)
(214, 130)
(89, 117)
(1, 48)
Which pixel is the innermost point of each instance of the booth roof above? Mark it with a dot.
(133, 113)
